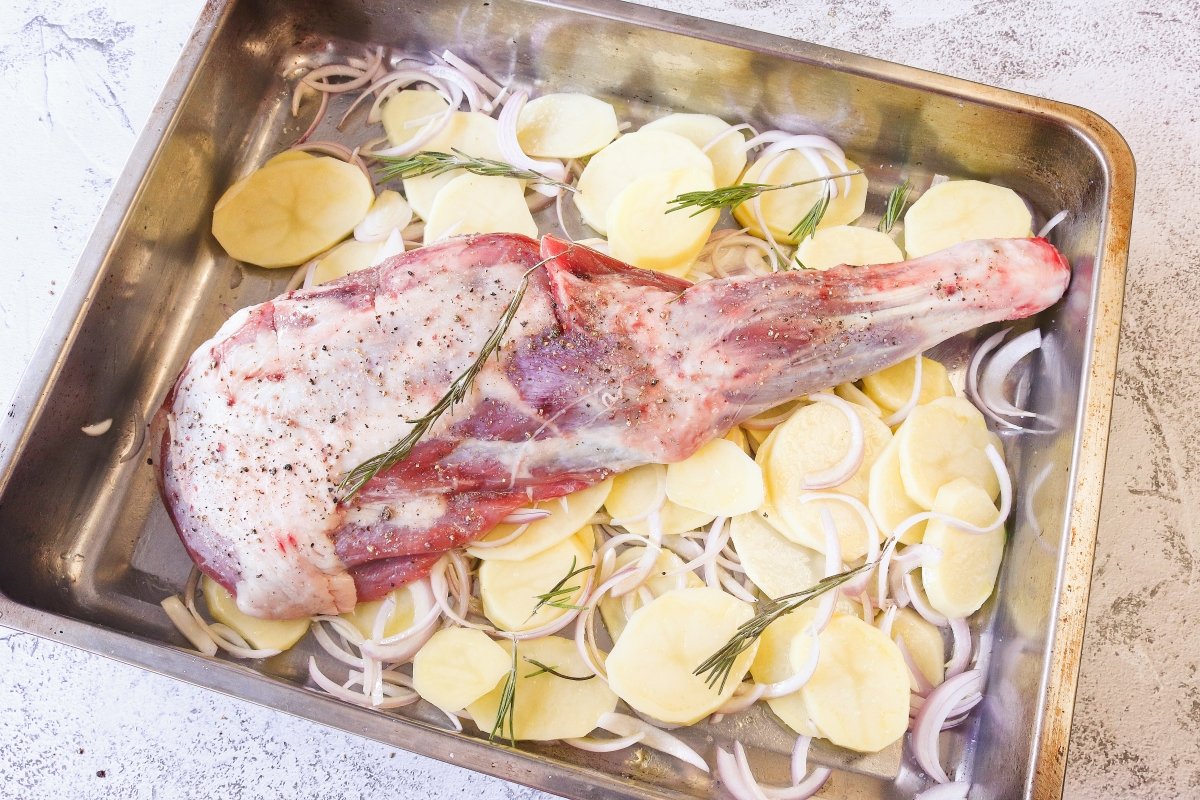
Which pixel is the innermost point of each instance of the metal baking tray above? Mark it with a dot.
(90, 550)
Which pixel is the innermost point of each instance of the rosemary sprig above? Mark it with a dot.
(897, 199)
(542, 669)
(358, 477)
(807, 226)
(555, 597)
(437, 163)
(718, 666)
(506, 711)
(730, 196)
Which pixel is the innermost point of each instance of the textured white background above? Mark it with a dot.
(79, 79)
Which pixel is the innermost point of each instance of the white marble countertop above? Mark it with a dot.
(81, 78)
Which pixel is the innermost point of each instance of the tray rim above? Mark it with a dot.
(1051, 733)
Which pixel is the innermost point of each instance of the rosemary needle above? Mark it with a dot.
(730, 196)
(896, 200)
(436, 163)
(359, 476)
(807, 226)
(557, 594)
(718, 666)
(542, 669)
(506, 711)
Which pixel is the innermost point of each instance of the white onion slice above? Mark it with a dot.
(1006, 492)
(934, 711)
(179, 616)
(914, 397)
(946, 791)
(510, 146)
(645, 564)
(746, 695)
(859, 584)
(593, 745)
(924, 687)
(652, 737)
(795, 683)
(960, 651)
(98, 428)
(327, 643)
(991, 382)
(921, 605)
(481, 80)
(389, 212)
(734, 771)
(885, 622)
(1052, 223)
(660, 498)
(840, 472)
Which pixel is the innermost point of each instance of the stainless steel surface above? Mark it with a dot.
(90, 550)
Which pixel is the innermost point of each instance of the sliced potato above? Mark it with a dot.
(470, 132)
(410, 106)
(547, 707)
(960, 581)
(783, 650)
(479, 204)
(641, 232)
(728, 154)
(941, 441)
(566, 125)
(858, 697)
(567, 515)
(718, 479)
(366, 613)
(777, 565)
(924, 643)
(816, 438)
(510, 589)
(852, 394)
(960, 211)
(349, 256)
(650, 666)
(738, 437)
(892, 386)
(663, 578)
(844, 244)
(261, 634)
(783, 209)
(457, 666)
(288, 155)
(286, 213)
(630, 157)
(634, 491)
(887, 499)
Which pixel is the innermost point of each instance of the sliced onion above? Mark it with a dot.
(396, 698)
(481, 80)
(327, 643)
(960, 651)
(593, 745)
(524, 515)
(1052, 223)
(316, 122)
(991, 382)
(389, 212)
(803, 675)
(734, 771)
(1006, 491)
(179, 616)
(221, 635)
(510, 146)
(840, 472)
(815, 149)
(924, 687)
(732, 129)
(934, 711)
(652, 737)
(988, 345)
(914, 397)
(316, 78)
(655, 506)
(921, 605)
(746, 695)
(885, 622)
(859, 584)
(718, 535)
(98, 428)
(946, 791)
(756, 210)
(645, 564)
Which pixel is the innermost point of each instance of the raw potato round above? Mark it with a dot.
(858, 697)
(663, 578)
(728, 154)
(349, 256)
(942, 441)
(510, 589)
(641, 232)
(783, 209)
(365, 613)
(457, 666)
(776, 565)
(547, 707)
(718, 479)
(738, 437)
(479, 204)
(634, 491)
(843, 244)
(959, 583)
(410, 105)
(783, 649)
(961, 211)
(889, 503)
(650, 666)
(470, 132)
(285, 214)
(624, 161)
(892, 386)
(924, 643)
(567, 515)
(813, 439)
(566, 125)
(261, 634)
